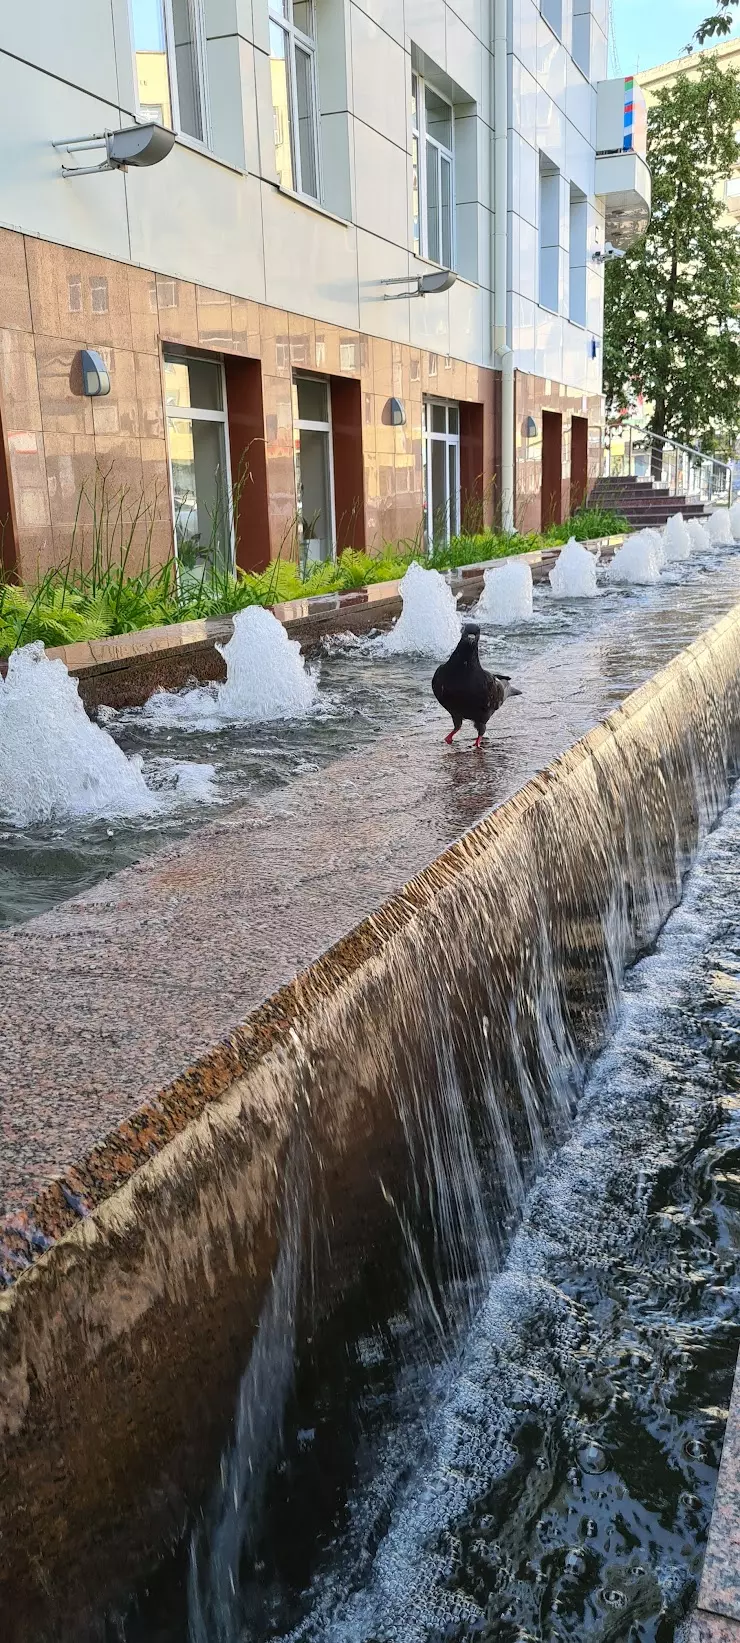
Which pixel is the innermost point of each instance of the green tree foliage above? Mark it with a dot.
(719, 23)
(672, 304)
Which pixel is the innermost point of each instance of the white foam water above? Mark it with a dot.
(735, 521)
(676, 539)
(266, 679)
(699, 535)
(639, 561)
(573, 576)
(54, 762)
(428, 624)
(719, 527)
(507, 595)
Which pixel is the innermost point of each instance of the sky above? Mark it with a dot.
(647, 32)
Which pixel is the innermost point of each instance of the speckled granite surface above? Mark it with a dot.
(720, 1585)
(713, 1628)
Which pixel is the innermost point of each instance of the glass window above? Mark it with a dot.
(433, 174)
(294, 95)
(313, 400)
(168, 39)
(196, 438)
(441, 425)
(313, 466)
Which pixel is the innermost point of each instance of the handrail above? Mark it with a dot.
(682, 469)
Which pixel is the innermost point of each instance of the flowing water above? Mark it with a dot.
(428, 624)
(573, 575)
(639, 561)
(358, 695)
(522, 1447)
(508, 595)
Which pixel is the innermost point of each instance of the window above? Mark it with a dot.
(201, 483)
(552, 11)
(169, 52)
(577, 256)
(433, 174)
(580, 49)
(294, 99)
(313, 467)
(549, 233)
(441, 430)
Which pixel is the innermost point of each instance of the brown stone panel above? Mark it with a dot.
(118, 412)
(15, 298)
(245, 327)
(302, 342)
(275, 342)
(64, 408)
(214, 318)
(349, 469)
(142, 296)
(177, 311)
(248, 462)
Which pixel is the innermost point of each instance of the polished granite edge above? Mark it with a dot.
(89, 656)
(713, 1628)
(719, 1593)
(111, 1163)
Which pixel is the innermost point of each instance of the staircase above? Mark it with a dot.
(642, 502)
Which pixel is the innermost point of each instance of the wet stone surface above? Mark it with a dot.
(115, 992)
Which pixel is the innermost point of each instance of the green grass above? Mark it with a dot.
(94, 595)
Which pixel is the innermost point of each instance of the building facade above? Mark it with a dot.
(653, 80)
(277, 383)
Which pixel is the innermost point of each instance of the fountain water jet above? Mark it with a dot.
(266, 679)
(639, 561)
(573, 576)
(676, 539)
(507, 594)
(719, 527)
(699, 536)
(429, 624)
(735, 521)
(54, 762)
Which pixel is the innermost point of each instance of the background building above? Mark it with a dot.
(327, 154)
(727, 56)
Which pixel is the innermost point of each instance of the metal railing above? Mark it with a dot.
(631, 452)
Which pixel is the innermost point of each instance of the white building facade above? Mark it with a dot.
(253, 296)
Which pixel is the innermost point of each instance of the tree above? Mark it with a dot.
(720, 22)
(672, 304)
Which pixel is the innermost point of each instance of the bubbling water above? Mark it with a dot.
(639, 561)
(676, 539)
(429, 624)
(266, 679)
(735, 521)
(54, 763)
(720, 527)
(507, 594)
(573, 576)
(699, 536)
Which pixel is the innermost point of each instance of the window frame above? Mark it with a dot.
(280, 12)
(448, 439)
(420, 142)
(197, 14)
(312, 426)
(195, 413)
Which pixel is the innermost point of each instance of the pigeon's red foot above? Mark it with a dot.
(479, 741)
(449, 739)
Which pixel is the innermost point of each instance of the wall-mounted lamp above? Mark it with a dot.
(426, 285)
(95, 378)
(396, 413)
(138, 145)
(594, 349)
(530, 428)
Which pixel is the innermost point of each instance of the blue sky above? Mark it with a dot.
(647, 32)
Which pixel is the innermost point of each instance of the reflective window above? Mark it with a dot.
(441, 470)
(199, 467)
(314, 470)
(433, 174)
(169, 54)
(294, 95)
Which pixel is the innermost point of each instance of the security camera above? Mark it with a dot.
(609, 253)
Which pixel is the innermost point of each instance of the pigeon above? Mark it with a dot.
(464, 688)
